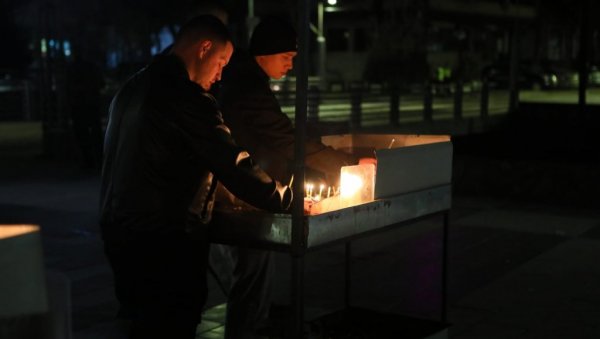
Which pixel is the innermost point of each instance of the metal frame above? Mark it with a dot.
(278, 232)
(260, 229)
(297, 252)
(444, 276)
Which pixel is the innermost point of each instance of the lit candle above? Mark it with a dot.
(321, 190)
(391, 143)
(328, 191)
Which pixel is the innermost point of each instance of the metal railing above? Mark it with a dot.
(387, 106)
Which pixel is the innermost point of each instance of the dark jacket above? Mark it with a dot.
(257, 123)
(164, 142)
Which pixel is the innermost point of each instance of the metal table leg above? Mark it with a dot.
(445, 268)
(297, 296)
(347, 273)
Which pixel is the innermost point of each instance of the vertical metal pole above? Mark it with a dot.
(458, 98)
(27, 106)
(583, 56)
(485, 95)
(298, 245)
(250, 8)
(445, 268)
(460, 74)
(314, 99)
(250, 22)
(427, 103)
(347, 273)
(513, 104)
(47, 109)
(355, 107)
(394, 103)
(322, 45)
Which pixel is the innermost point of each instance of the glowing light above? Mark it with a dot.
(350, 185)
(43, 47)
(67, 48)
(356, 187)
(332, 2)
(276, 88)
(9, 231)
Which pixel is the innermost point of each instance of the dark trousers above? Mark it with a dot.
(160, 282)
(249, 297)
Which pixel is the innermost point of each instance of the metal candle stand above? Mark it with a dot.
(412, 182)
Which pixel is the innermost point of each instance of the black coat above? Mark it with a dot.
(257, 123)
(164, 142)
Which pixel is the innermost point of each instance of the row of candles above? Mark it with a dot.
(350, 185)
(311, 194)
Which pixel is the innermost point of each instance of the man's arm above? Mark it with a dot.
(261, 117)
(210, 141)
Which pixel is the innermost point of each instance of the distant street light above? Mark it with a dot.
(319, 30)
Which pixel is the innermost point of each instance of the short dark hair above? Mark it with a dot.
(200, 28)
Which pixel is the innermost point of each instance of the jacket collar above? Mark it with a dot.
(259, 70)
(170, 64)
(246, 61)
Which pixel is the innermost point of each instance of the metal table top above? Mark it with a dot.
(274, 231)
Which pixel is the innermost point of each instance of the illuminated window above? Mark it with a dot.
(165, 39)
(67, 48)
(43, 47)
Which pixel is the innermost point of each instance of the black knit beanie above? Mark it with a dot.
(272, 36)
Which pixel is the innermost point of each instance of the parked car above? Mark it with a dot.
(530, 76)
(566, 74)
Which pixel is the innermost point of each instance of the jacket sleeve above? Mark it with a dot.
(211, 143)
(263, 116)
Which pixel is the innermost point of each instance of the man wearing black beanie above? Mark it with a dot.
(252, 112)
(273, 36)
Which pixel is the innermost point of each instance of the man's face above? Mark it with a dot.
(276, 65)
(211, 61)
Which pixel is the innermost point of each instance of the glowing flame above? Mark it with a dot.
(350, 184)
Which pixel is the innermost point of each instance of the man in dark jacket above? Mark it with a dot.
(166, 145)
(254, 115)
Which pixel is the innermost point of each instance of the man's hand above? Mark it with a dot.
(307, 206)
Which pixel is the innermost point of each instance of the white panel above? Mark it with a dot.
(407, 169)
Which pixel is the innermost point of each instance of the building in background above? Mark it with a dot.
(398, 42)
